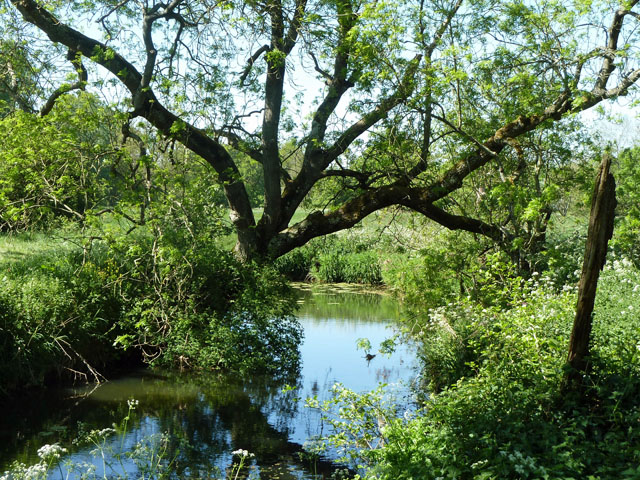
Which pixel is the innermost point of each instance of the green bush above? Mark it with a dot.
(190, 304)
(54, 167)
(68, 312)
(350, 267)
(334, 259)
(423, 282)
(296, 265)
(501, 411)
(627, 230)
(56, 319)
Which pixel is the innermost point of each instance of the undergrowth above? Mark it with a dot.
(496, 406)
(71, 312)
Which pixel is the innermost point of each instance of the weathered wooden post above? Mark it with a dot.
(603, 204)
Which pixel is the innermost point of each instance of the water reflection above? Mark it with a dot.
(210, 416)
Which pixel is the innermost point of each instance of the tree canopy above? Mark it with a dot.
(392, 102)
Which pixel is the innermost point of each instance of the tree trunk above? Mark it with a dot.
(603, 204)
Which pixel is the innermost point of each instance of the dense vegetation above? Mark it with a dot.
(100, 269)
(496, 407)
(153, 216)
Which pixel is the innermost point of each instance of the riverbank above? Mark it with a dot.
(216, 414)
(70, 310)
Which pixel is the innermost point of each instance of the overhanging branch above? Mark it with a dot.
(75, 58)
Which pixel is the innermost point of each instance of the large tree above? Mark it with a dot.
(416, 96)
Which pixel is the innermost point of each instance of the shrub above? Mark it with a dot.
(501, 411)
(333, 259)
(191, 304)
(296, 265)
(352, 267)
(54, 167)
(55, 319)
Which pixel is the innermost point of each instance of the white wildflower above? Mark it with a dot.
(133, 404)
(36, 471)
(242, 453)
(100, 435)
(47, 452)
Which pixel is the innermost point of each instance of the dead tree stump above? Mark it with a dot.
(603, 204)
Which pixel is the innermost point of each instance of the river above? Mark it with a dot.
(214, 415)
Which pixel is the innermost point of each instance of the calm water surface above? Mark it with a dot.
(216, 415)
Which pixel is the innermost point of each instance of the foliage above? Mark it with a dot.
(350, 258)
(55, 166)
(56, 318)
(150, 455)
(358, 420)
(497, 408)
(18, 83)
(441, 270)
(627, 229)
(352, 267)
(179, 301)
(186, 301)
(297, 264)
(415, 107)
(564, 256)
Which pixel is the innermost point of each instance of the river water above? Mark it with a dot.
(214, 415)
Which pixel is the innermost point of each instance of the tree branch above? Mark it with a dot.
(403, 91)
(76, 60)
(252, 59)
(608, 65)
(147, 105)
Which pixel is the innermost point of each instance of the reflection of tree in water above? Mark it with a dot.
(231, 414)
(212, 414)
(207, 417)
(347, 306)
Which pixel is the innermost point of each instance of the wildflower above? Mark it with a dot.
(100, 435)
(133, 404)
(36, 471)
(53, 452)
(242, 453)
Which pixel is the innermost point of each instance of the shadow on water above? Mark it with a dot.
(209, 416)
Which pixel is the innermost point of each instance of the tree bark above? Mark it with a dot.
(603, 204)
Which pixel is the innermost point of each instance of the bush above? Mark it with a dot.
(501, 411)
(296, 265)
(53, 168)
(190, 304)
(66, 312)
(351, 267)
(56, 319)
(333, 259)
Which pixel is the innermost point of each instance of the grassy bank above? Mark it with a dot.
(72, 312)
